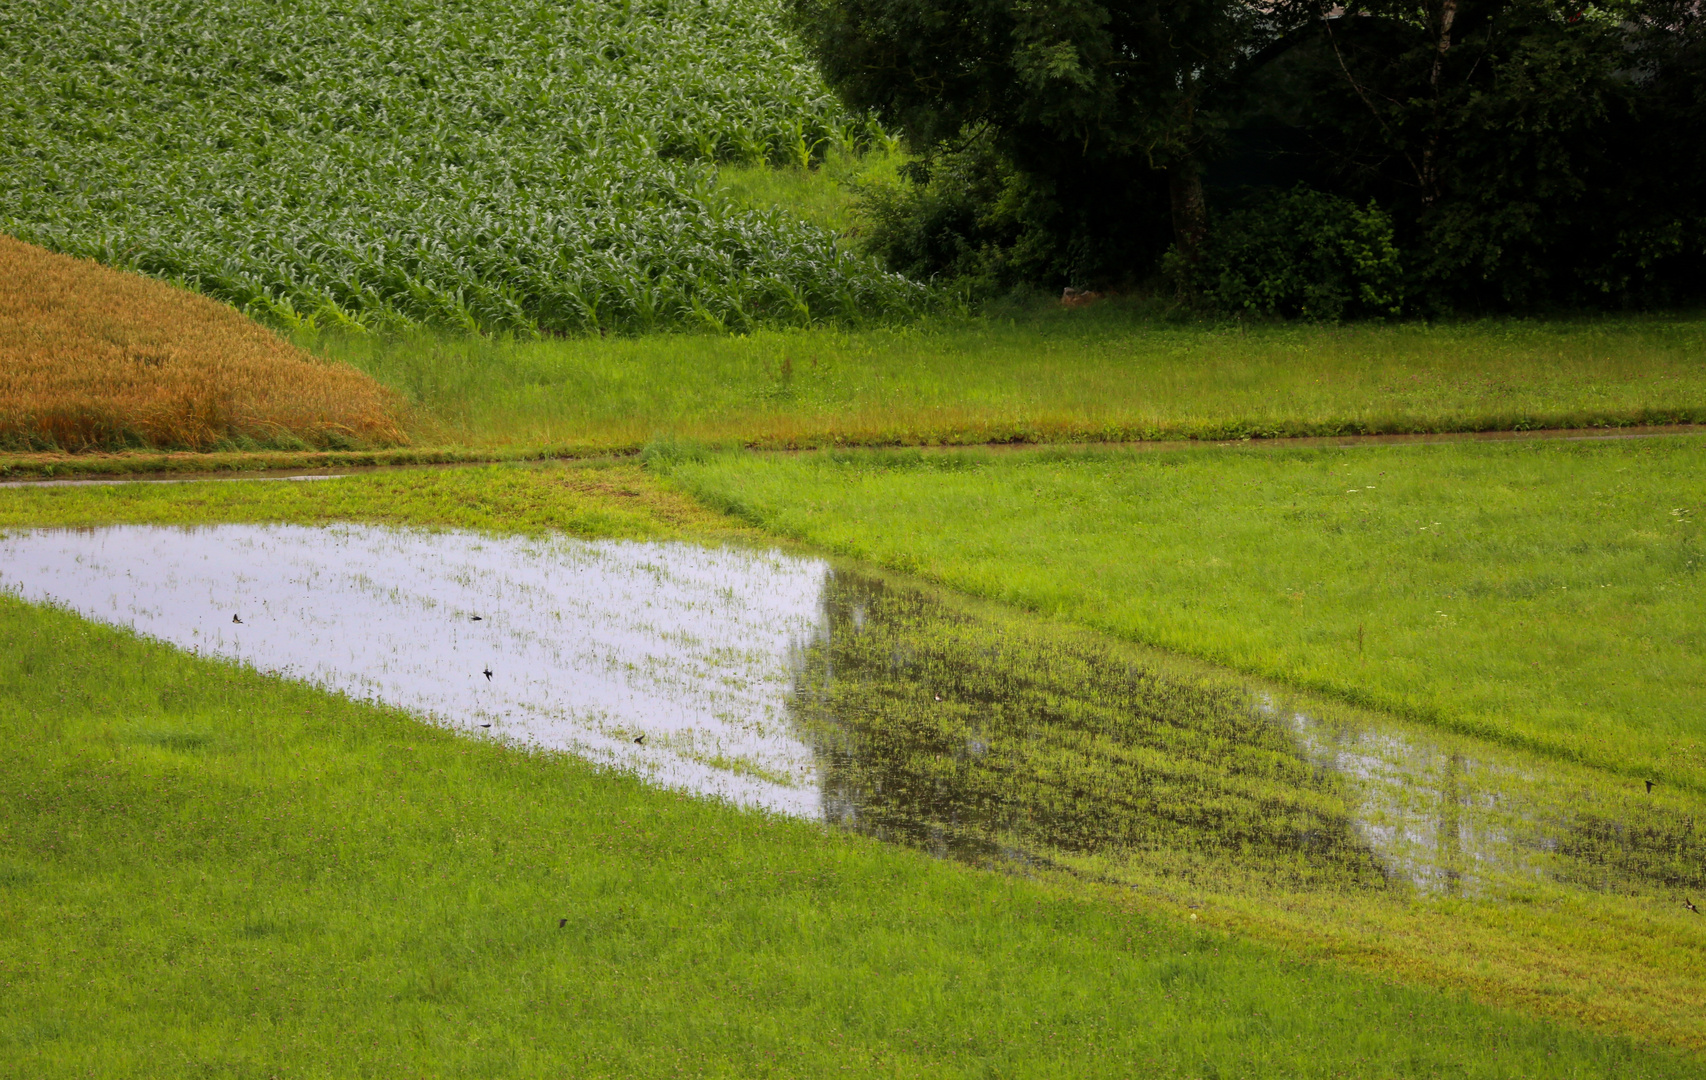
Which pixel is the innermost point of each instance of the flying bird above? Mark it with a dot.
(477, 619)
(485, 725)
(488, 674)
(1689, 904)
(641, 741)
(562, 923)
(236, 620)
(1649, 787)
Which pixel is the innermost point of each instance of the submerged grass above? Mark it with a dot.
(1005, 740)
(1543, 594)
(1114, 372)
(205, 867)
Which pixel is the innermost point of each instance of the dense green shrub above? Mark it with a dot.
(1297, 253)
(970, 216)
(496, 165)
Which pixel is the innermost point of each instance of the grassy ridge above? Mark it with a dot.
(1040, 374)
(499, 165)
(1538, 593)
(599, 499)
(1113, 372)
(91, 358)
(202, 866)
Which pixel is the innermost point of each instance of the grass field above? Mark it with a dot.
(1544, 594)
(597, 499)
(1623, 960)
(206, 869)
(95, 359)
(627, 234)
(1047, 375)
(826, 193)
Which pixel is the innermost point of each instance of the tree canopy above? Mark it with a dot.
(1518, 153)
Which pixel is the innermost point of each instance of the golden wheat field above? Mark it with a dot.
(92, 358)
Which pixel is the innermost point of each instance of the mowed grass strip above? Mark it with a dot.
(1114, 372)
(205, 869)
(593, 499)
(95, 359)
(1545, 594)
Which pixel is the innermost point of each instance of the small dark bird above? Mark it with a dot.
(1649, 787)
(236, 620)
(485, 725)
(641, 740)
(477, 619)
(562, 923)
(488, 674)
(1689, 904)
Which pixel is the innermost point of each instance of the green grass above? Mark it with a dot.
(603, 499)
(207, 870)
(214, 872)
(1221, 797)
(827, 194)
(966, 729)
(1542, 594)
(1114, 372)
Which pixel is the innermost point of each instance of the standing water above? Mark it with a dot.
(589, 645)
(778, 681)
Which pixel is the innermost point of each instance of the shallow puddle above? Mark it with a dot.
(998, 738)
(824, 692)
(589, 646)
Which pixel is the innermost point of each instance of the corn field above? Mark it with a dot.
(490, 165)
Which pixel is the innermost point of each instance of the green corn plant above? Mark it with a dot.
(494, 168)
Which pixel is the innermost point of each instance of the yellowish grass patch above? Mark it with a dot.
(92, 358)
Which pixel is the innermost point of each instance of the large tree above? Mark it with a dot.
(1534, 152)
(1058, 84)
(1530, 152)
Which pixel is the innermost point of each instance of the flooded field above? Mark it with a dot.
(589, 647)
(825, 692)
(998, 739)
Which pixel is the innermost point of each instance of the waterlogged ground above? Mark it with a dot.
(781, 681)
(964, 729)
(985, 738)
(590, 645)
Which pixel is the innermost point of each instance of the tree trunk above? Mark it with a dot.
(1190, 213)
(1430, 163)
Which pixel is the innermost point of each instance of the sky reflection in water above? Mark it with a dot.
(779, 681)
(591, 644)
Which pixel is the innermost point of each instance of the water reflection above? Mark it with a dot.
(589, 645)
(908, 715)
(997, 739)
